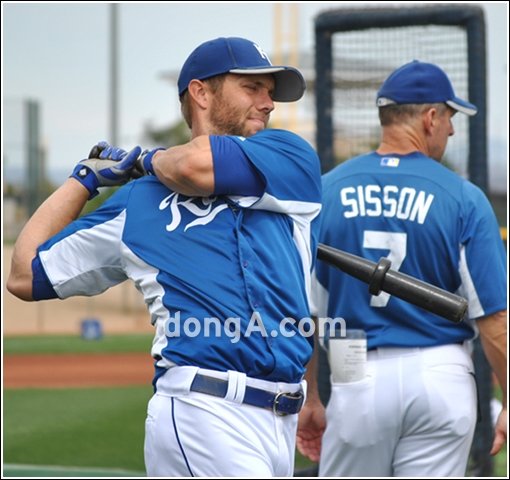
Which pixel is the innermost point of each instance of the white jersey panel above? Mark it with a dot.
(83, 273)
(272, 204)
(319, 298)
(145, 279)
(467, 287)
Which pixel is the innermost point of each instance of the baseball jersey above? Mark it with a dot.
(218, 274)
(431, 224)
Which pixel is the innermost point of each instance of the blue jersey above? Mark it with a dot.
(431, 224)
(218, 274)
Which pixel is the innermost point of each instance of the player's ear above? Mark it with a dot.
(199, 92)
(429, 119)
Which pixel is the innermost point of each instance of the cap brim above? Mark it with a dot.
(462, 106)
(289, 83)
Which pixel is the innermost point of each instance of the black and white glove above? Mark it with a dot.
(106, 166)
(143, 165)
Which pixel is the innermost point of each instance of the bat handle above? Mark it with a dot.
(375, 285)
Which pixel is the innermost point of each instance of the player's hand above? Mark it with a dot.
(143, 165)
(500, 432)
(311, 426)
(106, 166)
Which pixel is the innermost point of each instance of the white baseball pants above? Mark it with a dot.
(195, 434)
(413, 415)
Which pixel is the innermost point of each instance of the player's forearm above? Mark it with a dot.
(311, 373)
(60, 209)
(493, 334)
(187, 169)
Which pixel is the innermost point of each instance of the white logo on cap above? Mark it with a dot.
(383, 102)
(262, 53)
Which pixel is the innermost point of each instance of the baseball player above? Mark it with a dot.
(221, 249)
(413, 412)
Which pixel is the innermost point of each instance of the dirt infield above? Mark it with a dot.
(120, 310)
(91, 370)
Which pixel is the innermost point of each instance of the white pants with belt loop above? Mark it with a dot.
(194, 434)
(413, 415)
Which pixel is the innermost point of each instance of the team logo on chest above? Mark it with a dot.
(200, 207)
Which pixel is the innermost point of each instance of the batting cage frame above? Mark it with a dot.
(470, 19)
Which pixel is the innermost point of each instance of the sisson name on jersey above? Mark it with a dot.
(389, 201)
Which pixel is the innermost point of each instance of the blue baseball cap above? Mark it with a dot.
(238, 55)
(417, 83)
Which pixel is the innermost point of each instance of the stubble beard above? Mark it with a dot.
(226, 119)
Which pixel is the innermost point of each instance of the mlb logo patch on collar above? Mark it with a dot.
(390, 161)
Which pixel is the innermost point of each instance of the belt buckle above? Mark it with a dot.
(295, 396)
(275, 405)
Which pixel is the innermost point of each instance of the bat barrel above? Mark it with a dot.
(380, 277)
(424, 295)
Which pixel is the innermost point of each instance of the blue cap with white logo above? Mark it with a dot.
(418, 83)
(241, 56)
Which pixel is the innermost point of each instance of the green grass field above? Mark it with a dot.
(53, 471)
(75, 344)
(96, 427)
(90, 428)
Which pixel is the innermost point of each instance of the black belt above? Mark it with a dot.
(283, 403)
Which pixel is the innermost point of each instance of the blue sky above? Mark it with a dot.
(58, 55)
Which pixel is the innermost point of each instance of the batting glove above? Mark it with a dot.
(106, 167)
(144, 162)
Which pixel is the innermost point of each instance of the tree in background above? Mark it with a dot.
(175, 134)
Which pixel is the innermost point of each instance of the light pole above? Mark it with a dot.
(114, 75)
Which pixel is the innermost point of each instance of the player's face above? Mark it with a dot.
(444, 130)
(242, 105)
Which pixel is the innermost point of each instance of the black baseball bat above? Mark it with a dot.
(380, 277)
